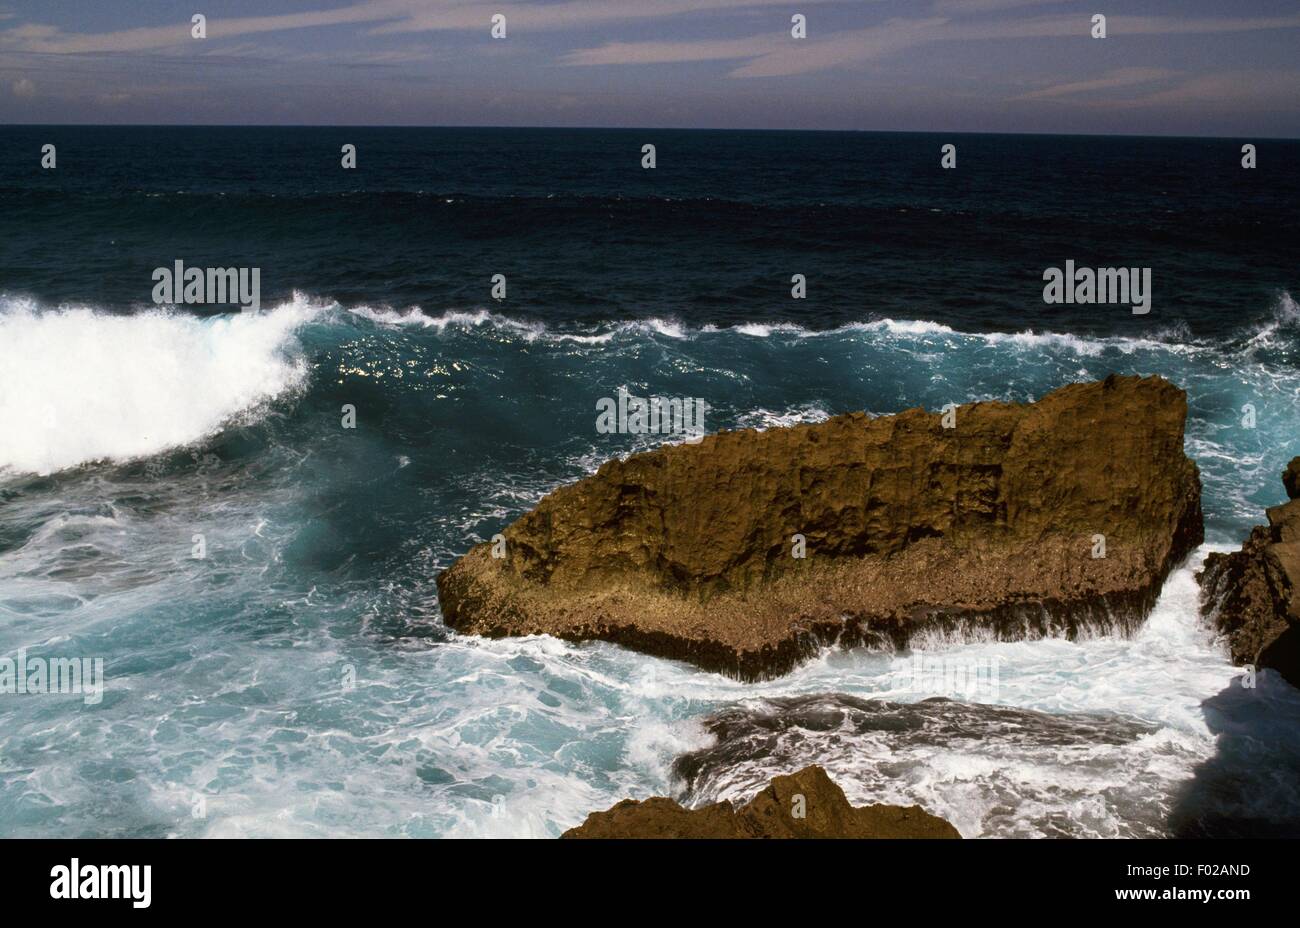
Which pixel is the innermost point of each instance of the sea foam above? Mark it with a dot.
(78, 385)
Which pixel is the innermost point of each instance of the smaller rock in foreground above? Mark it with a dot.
(773, 813)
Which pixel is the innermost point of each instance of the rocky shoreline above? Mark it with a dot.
(1253, 595)
(806, 804)
(1020, 519)
(751, 550)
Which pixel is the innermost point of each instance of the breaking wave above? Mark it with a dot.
(78, 386)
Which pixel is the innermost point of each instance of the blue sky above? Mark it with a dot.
(1193, 67)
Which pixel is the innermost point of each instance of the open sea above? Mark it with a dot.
(298, 678)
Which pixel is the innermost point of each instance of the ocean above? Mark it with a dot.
(297, 679)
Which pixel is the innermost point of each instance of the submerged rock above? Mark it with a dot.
(806, 804)
(1253, 595)
(1021, 520)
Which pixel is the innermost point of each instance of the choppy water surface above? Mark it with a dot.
(299, 678)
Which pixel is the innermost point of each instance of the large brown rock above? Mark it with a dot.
(685, 551)
(1253, 595)
(806, 804)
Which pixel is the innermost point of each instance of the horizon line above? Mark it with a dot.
(271, 125)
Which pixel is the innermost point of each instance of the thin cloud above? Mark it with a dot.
(671, 52)
(571, 14)
(845, 48)
(51, 40)
(900, 35)
(987, 6)
(1227, 91)
(385, 17)
(897, 35)
(1123, 77)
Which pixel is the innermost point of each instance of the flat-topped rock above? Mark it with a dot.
(806, 804)
(997, 523)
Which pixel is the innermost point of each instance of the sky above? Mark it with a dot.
(1178, 67)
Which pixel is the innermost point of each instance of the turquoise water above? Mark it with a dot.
(298, 678)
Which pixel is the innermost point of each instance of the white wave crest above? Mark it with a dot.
(77, 385)
(1286, 315)
(762, 419)
(898, 330)
(464, 320)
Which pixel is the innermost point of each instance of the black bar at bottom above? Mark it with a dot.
(335, 879)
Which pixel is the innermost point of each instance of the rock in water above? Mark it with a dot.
(1022, 519)
(806, 804)
(1291, 479)
(1253, 595)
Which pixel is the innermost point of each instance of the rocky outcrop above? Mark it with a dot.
(996, 523)
(1291, 479)
(1253, 595)
(806, 804)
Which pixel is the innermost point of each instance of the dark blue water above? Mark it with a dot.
(297, 678)
(711, 235)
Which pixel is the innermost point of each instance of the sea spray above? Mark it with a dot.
(78, 385)
(490, 413)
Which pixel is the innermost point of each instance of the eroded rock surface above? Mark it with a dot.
(686, 551)
(1253, 595)
(806, 804)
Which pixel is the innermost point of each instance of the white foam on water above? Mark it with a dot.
(469, 320)
(1286, 315)
(764, 329)
(999, 783)
(901, 330)
(556, 730)
(78, 386)
(768, 419)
